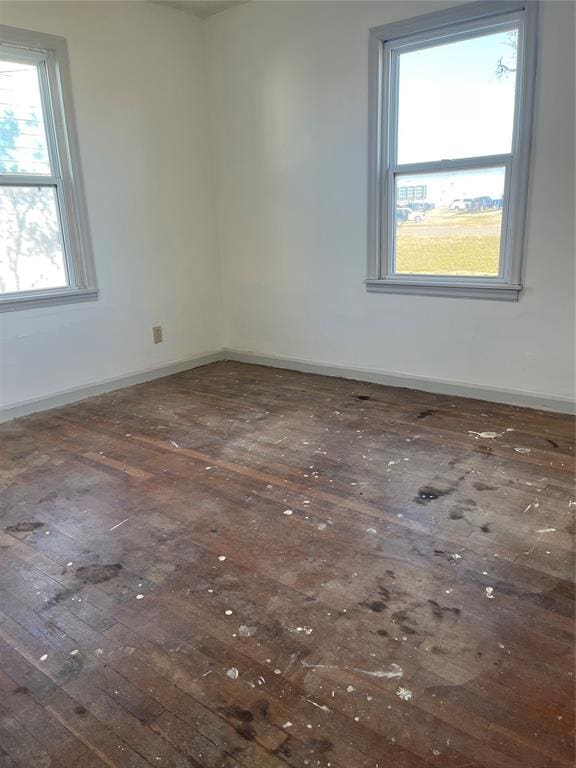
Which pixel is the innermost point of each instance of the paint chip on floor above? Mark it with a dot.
(404, 693)
(323, 707)
(488, 435)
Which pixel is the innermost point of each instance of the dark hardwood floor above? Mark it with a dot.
(242, 567)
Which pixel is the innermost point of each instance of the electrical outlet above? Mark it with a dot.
(157, 334)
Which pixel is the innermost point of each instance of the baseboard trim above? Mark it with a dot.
(68, 396)
(460, 389)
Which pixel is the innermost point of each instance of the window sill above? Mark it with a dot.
(10, 302)
(461, 290)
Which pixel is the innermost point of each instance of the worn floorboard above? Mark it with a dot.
(242, 567)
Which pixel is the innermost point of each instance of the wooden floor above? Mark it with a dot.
(242, 567)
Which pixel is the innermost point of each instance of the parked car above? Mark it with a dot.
(484, 203)
(419, 205)
(461, 204)
(408, 214)
(475, 204)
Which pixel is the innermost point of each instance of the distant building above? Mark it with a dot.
(409, 194)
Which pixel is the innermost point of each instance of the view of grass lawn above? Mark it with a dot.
(450, 243)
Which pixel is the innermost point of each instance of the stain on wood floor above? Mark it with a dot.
(242, 567)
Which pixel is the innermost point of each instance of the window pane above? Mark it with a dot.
(31, 252)
(457, 100)
(449, 223)
(23, 147)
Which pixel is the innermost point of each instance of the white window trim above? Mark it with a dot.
(463, 21)
(51, 53)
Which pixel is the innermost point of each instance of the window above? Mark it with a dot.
(44, 247)
(450, 123)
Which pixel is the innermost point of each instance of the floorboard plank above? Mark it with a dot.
(241, 567)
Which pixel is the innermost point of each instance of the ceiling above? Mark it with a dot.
(202, 8)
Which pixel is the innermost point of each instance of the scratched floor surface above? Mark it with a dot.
(242, 567)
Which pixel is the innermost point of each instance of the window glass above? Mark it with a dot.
(449, 223)
(23, 146)
(457, 100)
(31, 252)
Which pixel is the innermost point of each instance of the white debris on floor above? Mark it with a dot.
(404, 693)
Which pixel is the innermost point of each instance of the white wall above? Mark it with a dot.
(288, 84)
(287, 88)
(138, 82)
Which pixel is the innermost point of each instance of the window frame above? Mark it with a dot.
(460, 23)
(50, 54)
